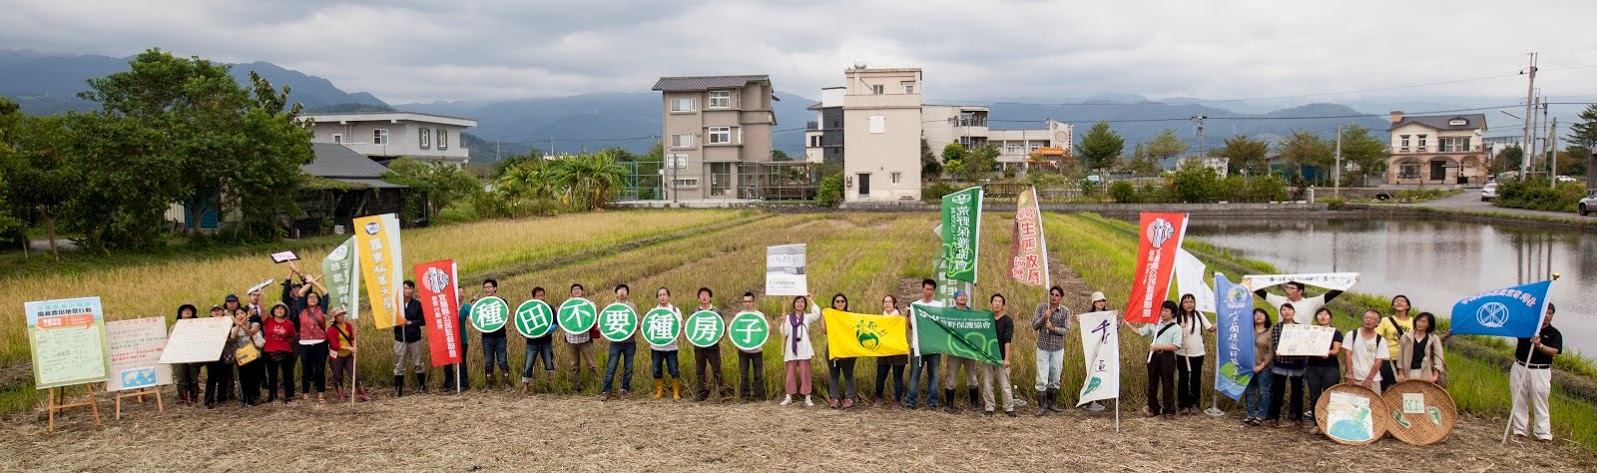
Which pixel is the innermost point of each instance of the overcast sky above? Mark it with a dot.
(423, 50)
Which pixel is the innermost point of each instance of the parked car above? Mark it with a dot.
(1489, 192)
(1588, 204)
(1562, 179)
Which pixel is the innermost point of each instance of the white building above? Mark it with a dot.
(383, 136)
(882, 132)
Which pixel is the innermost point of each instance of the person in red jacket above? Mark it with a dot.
(341, 343)
(280, 339)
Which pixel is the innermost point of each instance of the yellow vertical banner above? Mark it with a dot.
(377, 241)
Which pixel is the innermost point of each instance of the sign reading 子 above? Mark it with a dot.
(661, 326)
(535, 319)
(748, 330)
(705, 328)
(617, 322)
(490, 314)
(577, 315)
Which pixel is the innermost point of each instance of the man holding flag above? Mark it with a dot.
(1532, 378)
(1522, 312)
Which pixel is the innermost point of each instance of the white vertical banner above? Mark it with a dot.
(1100, 343)
(1189, 280)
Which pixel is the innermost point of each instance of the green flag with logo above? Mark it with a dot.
(962, 233)
(341, 275)
(964, 333)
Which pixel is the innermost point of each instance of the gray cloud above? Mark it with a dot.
(404, 51)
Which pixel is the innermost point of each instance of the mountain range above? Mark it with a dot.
(45, 84)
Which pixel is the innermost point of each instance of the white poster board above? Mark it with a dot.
(136, 347)
(1305, 340)
(784, 271)
(197, 340)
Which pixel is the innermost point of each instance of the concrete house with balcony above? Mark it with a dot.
(967, 125)
(384, 136)
(823, 138)
(948, 124)
(1437, 150)
(711, 127)
(882, 130)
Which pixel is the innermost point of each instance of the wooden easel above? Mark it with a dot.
(138, 394)
(61, 391)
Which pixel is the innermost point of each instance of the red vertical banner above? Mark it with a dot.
(1158, 239)
(435, 286)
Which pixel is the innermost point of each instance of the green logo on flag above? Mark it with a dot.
(534, 319)
(962, 333)
(617, 322)
(577, 315)
(748, 330)
(705, 328)
(661, 326)
(490, 314)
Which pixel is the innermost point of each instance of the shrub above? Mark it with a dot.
(831, 192)
(935, 191)
(1335, 203)
(1123, 193)
(1536, 194)
(1195, 184)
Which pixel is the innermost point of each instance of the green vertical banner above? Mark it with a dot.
(341, 274)
(962, 233)
(963, 333)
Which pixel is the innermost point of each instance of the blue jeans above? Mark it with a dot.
(493, 349)
(622, 352)
(1257, 395)
(534, 352)
(917, 365)
(669, 358)
(897, 373)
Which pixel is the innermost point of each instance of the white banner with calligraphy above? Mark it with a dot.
(1100, 345)
(1332, 281)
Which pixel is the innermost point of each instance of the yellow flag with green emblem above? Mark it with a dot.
(850, 335)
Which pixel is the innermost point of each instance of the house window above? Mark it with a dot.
(815, 141)
(676, 161)
(1455, 144)
(1404, 142)
(878, 89)
(688, 182)
(1014, 148)
(682, 141)
(424, 139)
(1035, 146)
(1408, 170)
(338, 138)
(896, 176)
(1422, 142)
(909, 87)
(683, 105)
(380, 137)
(443, 139)
(878, 124)
(721, 99)
(1458, 122)
(720, 135)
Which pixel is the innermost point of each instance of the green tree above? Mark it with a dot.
(979, 162)
(532, 156)
(40, 178)
(954, 160)
(1572, 161)
(1583, 133)
(11, 118)
(1508, 159)
(930, 167)
(1364, 149)
(1245, 154)
(588, 181)
(1164, 147)
(432, 186)
(1140, 164)
(780, 156)
(1100, 148)
(1304, 149)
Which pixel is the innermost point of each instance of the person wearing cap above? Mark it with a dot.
(407, 343)
(341, 346)
(951, 374)
(1099, 303)
(1161, 361)
(186, 376)
(219, 373)
(1530, 381)
(1051, 320)
(922, 362)
(280, 355)
(246, 334)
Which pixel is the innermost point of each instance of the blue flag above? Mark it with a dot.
(1510, 312)
(1234, 357)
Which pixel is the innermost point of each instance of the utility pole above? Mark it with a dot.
(1203, 156)
(1338, 174)
(1530, 91)
(1552, 151)
(497, 156)
(1535, 135)
(551, 146)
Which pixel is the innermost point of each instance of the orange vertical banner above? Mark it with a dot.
(1158, 240)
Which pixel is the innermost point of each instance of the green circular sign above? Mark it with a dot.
(704, 328)
(577, 315)
(535, 319)
(490, 314)
(617, 322)
(661, 326)
(748, 330)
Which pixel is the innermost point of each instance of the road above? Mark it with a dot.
(1470, 201)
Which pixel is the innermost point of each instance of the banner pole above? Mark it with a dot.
(1522, 390)
(1117, 414)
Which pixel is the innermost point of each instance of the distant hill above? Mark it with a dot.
(47, 85)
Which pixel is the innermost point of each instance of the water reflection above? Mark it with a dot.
(1434, 262)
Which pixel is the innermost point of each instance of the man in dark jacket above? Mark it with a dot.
(407, 343)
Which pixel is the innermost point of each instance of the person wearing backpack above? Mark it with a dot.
(1393, 328)
(1161, 361)
(1367, 351)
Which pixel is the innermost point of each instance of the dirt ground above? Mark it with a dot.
(503, 431)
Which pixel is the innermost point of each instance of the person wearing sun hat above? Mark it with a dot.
(1098, 303)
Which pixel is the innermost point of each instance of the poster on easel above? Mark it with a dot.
(67, 340)
(135, 348)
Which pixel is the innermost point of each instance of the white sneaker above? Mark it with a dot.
(808, 402)
(787, 400)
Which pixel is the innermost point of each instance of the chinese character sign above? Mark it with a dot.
(440, 302)
(962, 233)
(617, 322)
(135, 347)
(577, 315)
(704, 328)
(490, 314)
(748, 330)
(377, 241)
(784, 271)
(661, 326)
(67, 337)
(341, 275)
(1234, 333)
(1028, 252)
(1332, 281)
(1100, 345)
(535, 319)
(947, 287)
(1157, 242)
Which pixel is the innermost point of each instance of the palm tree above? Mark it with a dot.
(589, 180)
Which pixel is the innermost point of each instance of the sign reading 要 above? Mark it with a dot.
(67, 337)
(784, 271)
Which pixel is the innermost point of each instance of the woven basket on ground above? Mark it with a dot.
(1425, 422)
(1348, 434)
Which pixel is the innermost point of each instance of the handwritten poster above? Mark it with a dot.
(784, 271)
(67, 339)
(1305, 340)
(135, 347)
(197, 340)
